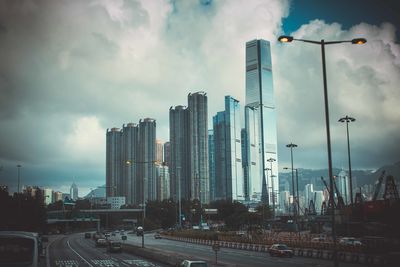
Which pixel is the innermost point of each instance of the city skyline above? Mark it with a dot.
(134, 66)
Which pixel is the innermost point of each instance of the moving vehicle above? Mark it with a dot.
(114, 246)
(18, 248)
(350, 241)
(190, 263)
(157, 236)
(101, 242)
(88, 235)
(280, 250)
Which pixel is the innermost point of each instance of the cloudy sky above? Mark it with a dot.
(71, 69)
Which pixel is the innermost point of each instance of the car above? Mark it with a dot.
(114, 246)
(107, 235)
(88, 235)
(280, 250)
(190, 263)
(157, 236)
(318, 239)
(101, 242)
(350, 241)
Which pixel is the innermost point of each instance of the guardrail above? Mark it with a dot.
(325, 253)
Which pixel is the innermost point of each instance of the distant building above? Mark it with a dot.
(129, 184)
(228, 156)
(342, 183)
(198, 134)
(179, 162)
(116, 202)
(147, 157)
(159, 151)
(31, 191)
(48, 196)
(73, 191)
(163, 189)
(57, 196)
(167, 153)
(211, 164)
(284, 201)
(308, 194)
(113, 161)
(319, 198)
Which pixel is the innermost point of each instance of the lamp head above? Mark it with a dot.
(285, 39)
(359, 41)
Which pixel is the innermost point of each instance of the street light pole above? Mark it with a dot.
(291, 146)
(18, 166)
(322, 43)
(348, 119)
(297, 191)
(270, 160)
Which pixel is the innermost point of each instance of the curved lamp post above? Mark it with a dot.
(322, 43)
(348, 119)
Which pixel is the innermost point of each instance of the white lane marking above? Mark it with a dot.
(78, 254)
(47, 251)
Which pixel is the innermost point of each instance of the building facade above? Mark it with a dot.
(113, 161)
(260, 119)
(198, 134)
(73, 191)
(179, 163)
(228, 157)
(146, 160)
(211, 163)
(163, 188)
(129, 147)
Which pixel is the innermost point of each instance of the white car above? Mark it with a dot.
(190, 263)
(350, 241)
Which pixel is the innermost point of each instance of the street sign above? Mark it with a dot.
(123, 237)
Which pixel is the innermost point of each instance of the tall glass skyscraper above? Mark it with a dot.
(229, 183)
(260, 119)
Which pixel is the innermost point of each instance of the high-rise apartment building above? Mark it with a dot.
(159, 151)
(162, 174)
(211, 163)
(179, 163)
(260, 119)
(113, 162)
(229, 183)
(167, 153)
(129, 147)
(146, 160)
(198, 134)
(48, 196)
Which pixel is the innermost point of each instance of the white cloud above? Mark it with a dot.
(75, 68)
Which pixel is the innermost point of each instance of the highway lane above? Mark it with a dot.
(230, 257)
(75, 251)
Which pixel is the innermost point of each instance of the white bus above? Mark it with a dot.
(19, 248)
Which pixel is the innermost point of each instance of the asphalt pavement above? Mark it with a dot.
(227, 257)
(76, 251)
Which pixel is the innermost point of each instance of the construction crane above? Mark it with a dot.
(311, 206)
(340, 202)
(378, 186)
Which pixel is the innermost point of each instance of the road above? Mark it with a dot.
(229, 257)
(74, 250)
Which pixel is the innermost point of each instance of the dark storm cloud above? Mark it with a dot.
(72, 69)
